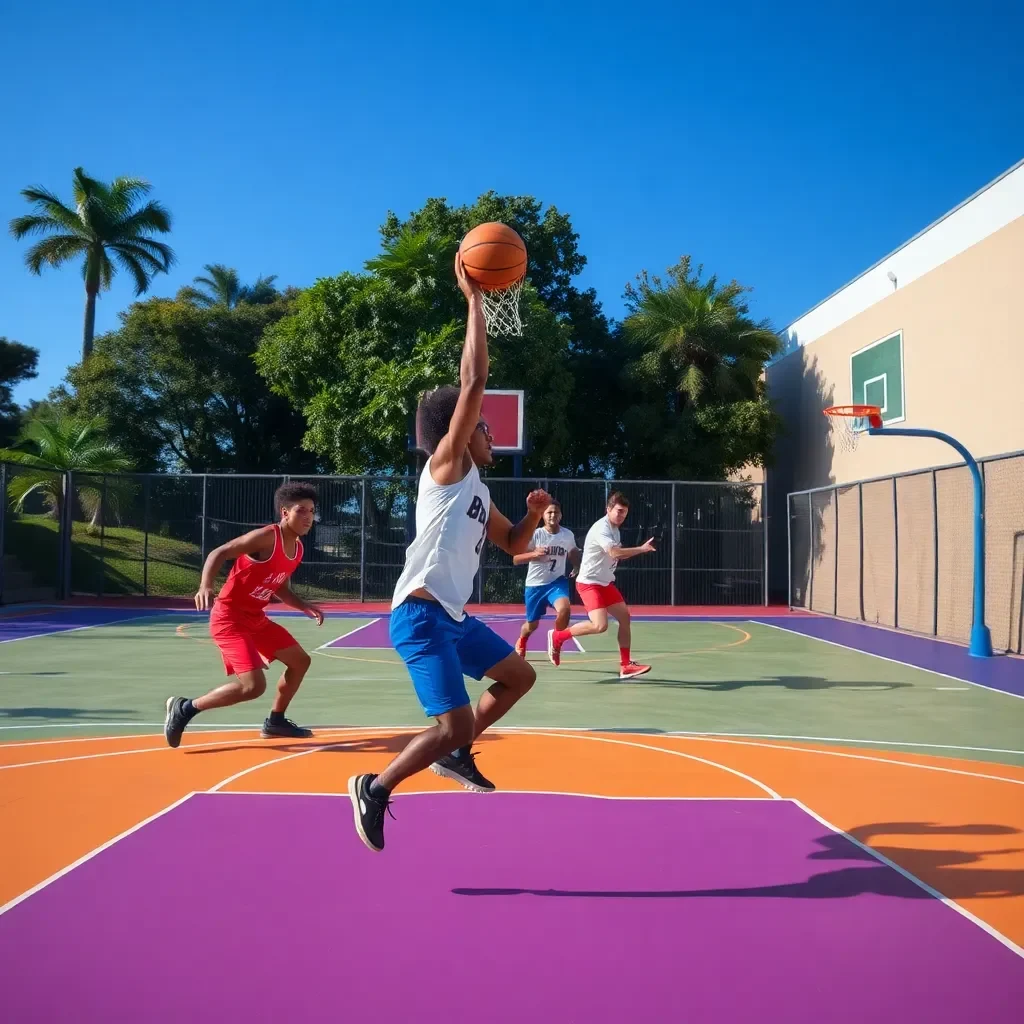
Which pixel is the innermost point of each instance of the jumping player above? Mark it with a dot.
(264, 561)
(546, 582)
(430, 629)
(602, 552)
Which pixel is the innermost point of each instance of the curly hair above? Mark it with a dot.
(292, 493)
(434, 416)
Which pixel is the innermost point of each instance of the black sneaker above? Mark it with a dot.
(175, 720)
(369, 811)
(464, 771)
(286, 730)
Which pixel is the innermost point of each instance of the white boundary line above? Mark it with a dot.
(92, 853)
(934, 893)
(882, 657)
(77, 629)
(274, 760)
(365, 625)
(501, 792)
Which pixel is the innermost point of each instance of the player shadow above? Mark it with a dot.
(389, 744)
(947, 871)
(778, 682)
(99, 714)
(25, 675)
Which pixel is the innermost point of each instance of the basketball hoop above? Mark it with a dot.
(848, 422)
(501, 309)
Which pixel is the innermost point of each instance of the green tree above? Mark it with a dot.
(694, 378)
(106, 226)
(176, 387)
(362, 347)
(17, 363)
(48, 447)
(223, 287)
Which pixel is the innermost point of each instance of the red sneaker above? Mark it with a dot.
(521, 647)
(632, 669)
(554, 650)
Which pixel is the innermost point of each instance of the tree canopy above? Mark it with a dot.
(17, 363)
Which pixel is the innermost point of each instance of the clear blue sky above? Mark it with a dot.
(786, 145)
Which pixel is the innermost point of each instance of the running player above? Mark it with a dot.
(264, 561)
(430, 629)
(546, 582)
(602, 552)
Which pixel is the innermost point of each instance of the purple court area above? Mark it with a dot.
(22, 625)
(999, 673)
(375, 634)
(506, 908)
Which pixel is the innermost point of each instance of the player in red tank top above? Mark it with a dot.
(265, 560)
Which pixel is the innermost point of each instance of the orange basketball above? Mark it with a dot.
(494, 255)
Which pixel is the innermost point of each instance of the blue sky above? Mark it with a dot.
(788, 146)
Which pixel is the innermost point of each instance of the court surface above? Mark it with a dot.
(790, 818)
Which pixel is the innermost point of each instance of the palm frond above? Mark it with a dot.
(145, 220)
(130, 261)
(54, 252)
(152, 264)
(51, 207)
(125, 192)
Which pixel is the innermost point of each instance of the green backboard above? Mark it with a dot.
(876, 377)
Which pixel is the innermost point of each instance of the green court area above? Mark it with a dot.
(746, 678)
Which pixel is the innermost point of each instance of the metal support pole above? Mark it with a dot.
(672, 563)
(981, 638)
(103, 533)
(896, 559)
(202, 529)
(935, 546)
(68, 483)
(145, 537)
(362, 543)
(835, 561)
(3, 523)
(764, 536)
(810, 539)
(789, 555)
(860, 547)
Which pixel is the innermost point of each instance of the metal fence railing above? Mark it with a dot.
(149, 534)
(897, 550)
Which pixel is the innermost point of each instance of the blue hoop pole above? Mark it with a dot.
(981, 639)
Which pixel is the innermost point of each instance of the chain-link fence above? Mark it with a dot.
(149, 535)
(898, 550)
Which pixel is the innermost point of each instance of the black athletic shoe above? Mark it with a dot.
(286, 730)
(175, 720)
(464, 771)
(368, 811)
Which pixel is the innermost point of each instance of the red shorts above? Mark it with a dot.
(246, 647)
(599, 595)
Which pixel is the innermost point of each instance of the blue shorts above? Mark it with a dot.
(438, 652)
(538, 598)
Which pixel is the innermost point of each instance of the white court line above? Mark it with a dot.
(952, 904)
(92, 853)
(882, 657)
(275, 760)
(499, 792)
(351, 632)
(692, 757)
(77, 629)
(958, 689)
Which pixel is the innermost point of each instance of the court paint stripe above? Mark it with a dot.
(60, 631)
(500, 792)
(934, 893)
(883, 657)
(274, 760)
(365, 625)
(92, 853)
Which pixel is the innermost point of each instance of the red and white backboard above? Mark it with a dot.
(503, 411)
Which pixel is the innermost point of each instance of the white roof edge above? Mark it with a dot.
(903, 245)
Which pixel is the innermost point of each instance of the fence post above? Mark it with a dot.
(896, 559)
(145, 537)
(860, 547)
(672, 599)
(3, 523)
(764, 534)
(789, 554)
(935, 551)
(202, 529)
(68, 483)
(810, 538)
(362, 542)
(103, 533)
(835, 562)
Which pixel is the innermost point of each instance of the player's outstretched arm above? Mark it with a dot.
(256, 542)
(446, 464)
(621, 554)
(514, 540)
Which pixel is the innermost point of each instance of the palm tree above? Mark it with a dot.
(48, 447)
(105, 221)
(697, 337)
(224, 288)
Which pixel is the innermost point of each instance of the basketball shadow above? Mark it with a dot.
(777, 682)
(948, 871)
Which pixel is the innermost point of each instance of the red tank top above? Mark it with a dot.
(251, 584)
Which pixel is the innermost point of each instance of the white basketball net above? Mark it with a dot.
(501, 310)
(846, 431)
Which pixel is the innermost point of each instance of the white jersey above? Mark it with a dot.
(451, 526)
(598, 566)
(559, 545)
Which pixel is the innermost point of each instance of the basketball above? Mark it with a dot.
(494, 255)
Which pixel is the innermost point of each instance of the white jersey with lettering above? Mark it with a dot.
(451, 526)
(597, 565)
(559, 545)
